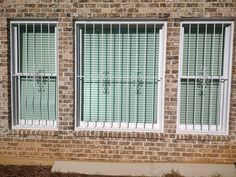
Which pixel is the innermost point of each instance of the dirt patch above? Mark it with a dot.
(45, 171)
(35, 171)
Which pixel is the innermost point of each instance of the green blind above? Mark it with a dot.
(36, 63)
(202, 68)
(120, 67)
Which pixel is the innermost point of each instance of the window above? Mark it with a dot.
(204, 79)
(34, 74)
(119, 75)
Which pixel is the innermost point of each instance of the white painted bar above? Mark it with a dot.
(210, 87)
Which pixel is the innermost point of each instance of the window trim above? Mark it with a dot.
(227, 65)
(13, 50)
(160, 111)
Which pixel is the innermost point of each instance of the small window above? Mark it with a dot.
(119, 75)
(204, 79)
(34, 74)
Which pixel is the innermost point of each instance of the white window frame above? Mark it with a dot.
(100, 126)
(30, 124)
(223, 128)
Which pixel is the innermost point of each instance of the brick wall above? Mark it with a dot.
(65, 143)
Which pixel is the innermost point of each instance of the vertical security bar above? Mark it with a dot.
(211, 84)
(137, 68)
(220, 77)
(130, 60)
(93, 75)
(34, 68)
(114, 76)
(119, 89)
(19, 73)
(154, 79)
(26, 95)
(98, 67)
(195, 80)
(14, 70)
(127, 81)
(122, 74)
(110, 68)
(105, 77)
(102, 61)
(187, 83)
(41, 72)
(204, 79)
(49, 73)
(90, 75)
(145, 75)
(84, 77)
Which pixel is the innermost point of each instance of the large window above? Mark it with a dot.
(34, 74)
(119, 75)
(204, 79)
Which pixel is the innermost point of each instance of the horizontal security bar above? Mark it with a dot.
(34, 22)
(121, 22)
(124, 77)
(34, 74)
(206, 77)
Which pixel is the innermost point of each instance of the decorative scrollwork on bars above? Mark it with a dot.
(41, 81)
(106, 83)
(139, 83)
(203, 80)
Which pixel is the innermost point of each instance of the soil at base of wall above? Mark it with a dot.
(45, 171)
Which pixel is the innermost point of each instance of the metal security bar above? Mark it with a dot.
(34, 74)
(118, 75)
(204, 76)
